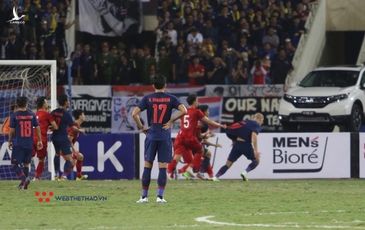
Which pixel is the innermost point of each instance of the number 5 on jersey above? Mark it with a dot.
(186, 121)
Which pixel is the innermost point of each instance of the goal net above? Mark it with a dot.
(31, 79)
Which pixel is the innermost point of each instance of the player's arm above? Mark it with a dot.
(10, 140)
(206, 142)
(254, 145)
(213, 123)
(77, 129)
(137, 119)
(54, 125)
(182, 112)
(39, 142)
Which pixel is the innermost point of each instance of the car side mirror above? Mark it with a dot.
(362, 86)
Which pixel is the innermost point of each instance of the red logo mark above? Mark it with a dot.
(43, 196)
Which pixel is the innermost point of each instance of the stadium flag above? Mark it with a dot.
(215, 106)
(110, 17)
(122, 121)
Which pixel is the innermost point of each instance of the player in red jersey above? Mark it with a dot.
(45, 120)
(73, 133)
(186, 140)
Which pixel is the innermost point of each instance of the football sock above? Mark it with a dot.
(196, 162)
(67, 168)
(183, 169)
(146, 180)
(19, 172)
(161, 181)
(210, 171)
(39, 170)
(79, 167)
(222, 171)
(56, 162)
(171, 166)
(26, 171)
(204, 165)
(252, 166)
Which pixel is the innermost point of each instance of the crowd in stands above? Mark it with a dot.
(197, 42)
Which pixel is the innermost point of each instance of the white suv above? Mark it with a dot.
(326, 97)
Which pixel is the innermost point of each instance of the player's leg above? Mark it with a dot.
(164, 155)
(26, 163)
(235, 153)
(255, 160)
(171, 167)
(150, 153)
(205, 165)
(16, 162)
(41, 155)
(56, 159)
(69, 161)
(197, 149)
(79, 157)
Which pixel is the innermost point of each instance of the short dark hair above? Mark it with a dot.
(21, 101)
(40, 102)
(62, 99)
(77, 113)
(159, 82)
(191, 99)
(203, 108)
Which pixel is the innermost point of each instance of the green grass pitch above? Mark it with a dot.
(228, 204)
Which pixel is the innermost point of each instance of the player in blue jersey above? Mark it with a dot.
(22, 122)
(159, 106)
(244, 137)
(60, 137)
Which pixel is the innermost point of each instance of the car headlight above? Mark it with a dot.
(337, 98)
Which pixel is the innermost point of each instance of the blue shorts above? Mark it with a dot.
(241, 148)
(21, 155)
(162, 147)
(62, 147)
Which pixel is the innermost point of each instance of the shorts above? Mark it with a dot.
(241, 148)
(62, 147)
(161, 147)
(21, 155)
(183, 145)
(42, 153)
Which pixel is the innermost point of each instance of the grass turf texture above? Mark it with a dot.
(257, 204)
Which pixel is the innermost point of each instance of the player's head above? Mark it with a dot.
(21, 102)
(63, 100)
(159, 82)
(259, 118)
(13, 107)
(79, 115)
(192, 100)
(42, 103)
(204, 109)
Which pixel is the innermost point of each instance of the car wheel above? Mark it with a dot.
(356, 118)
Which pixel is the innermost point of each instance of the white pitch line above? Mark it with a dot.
(205, 219)
(292, 213)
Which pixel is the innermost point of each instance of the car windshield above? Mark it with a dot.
(330, 78)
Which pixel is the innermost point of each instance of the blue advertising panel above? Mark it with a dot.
(108, 156)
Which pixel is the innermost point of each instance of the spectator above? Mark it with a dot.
(258, 73)
(106, 65)
(164, 65)
(239, 73)
(13, 47)
(196, 72)
(271, 37)
(147, 62)
(62, 74)
(124, 71)
(194, 41)
(87, 66)
(281, 66)
(179, 66)
(218, 72)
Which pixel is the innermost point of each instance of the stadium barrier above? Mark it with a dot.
(285, 156)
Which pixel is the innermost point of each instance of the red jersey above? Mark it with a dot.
(73, 133)
(44, 119)
(189, 122)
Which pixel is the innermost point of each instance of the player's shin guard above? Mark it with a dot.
(161, 181)
(79, 167)
(252, 165)
(222, 171)
(146, 180)
(183, 169)
(56, 162)
(39, 170)
(171, 166)
(67, 168)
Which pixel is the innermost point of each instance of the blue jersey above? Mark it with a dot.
(243, 129)
(63, 119)
(23, 122)
(159, 108)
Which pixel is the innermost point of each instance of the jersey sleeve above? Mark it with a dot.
(199, 114)
(35, 121)
(143, 104)
(50, 118)
(256, 128)
(175, 102)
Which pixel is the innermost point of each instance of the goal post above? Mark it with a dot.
(30, 78)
